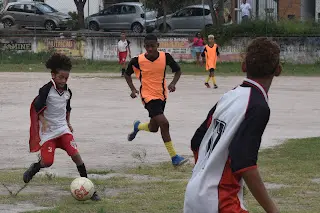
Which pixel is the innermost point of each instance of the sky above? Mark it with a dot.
(66, 6)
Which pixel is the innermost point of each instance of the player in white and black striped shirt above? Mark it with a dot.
(50, 120)
(226, 144)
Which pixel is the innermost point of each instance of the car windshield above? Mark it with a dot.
(46, 8)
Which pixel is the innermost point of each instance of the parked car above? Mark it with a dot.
(34, 14)
(123, 16)
(191, 18)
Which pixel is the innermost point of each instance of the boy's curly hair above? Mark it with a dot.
(262, 58)
(59, 62)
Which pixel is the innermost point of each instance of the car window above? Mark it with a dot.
(108, 11)
(206, 12)
(28, 8)
(113, 10)
(46, 8)
(184, 13)
(16, 8)
(197, 12)
(127, 9)
(117, 9)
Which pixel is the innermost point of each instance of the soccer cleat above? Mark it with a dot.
(178, 160)
(135, 131)
(28, 175)
(207, 85)
(215, 86)
(95, 197)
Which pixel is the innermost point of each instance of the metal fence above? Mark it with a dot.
(261, 9)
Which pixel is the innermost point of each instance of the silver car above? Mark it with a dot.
(123, 16)
(34, 14)
(191, 18)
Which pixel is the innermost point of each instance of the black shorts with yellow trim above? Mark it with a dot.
(155, 107)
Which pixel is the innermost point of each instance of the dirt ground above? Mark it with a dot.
(103, 113)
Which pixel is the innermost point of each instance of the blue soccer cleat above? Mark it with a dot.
(178, 160)
(135, 131)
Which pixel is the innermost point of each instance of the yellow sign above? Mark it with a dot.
(69, 47)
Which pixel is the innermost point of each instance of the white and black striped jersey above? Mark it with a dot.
(227, 143)
(54, 104)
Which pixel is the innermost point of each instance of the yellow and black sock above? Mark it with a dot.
(144, 127)
(207, 80)
(170, 148)
(214, 80)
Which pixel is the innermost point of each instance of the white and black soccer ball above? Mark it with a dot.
(82, 188)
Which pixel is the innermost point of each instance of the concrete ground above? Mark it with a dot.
(103, 113)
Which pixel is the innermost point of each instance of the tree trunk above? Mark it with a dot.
(164, 6)
(221, 12)
(212, 12)
(80, 9)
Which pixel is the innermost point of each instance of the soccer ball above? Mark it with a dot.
(82, 188)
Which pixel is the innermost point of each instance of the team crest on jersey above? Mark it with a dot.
(67, 95)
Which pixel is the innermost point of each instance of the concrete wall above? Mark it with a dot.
(293, 49)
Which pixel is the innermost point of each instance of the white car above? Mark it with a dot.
(123, 16)
(191, 18)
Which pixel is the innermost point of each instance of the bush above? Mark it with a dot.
(262, 28)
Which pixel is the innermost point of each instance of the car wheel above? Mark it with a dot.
(137, 28)
(50, 25)
(94, 26)
(7, 23)
(161, 28)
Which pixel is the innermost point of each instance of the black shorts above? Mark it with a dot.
(155, 107)
(211, 71)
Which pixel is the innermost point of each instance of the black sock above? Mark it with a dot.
(123, 70)
(82, 170)
(36, 167)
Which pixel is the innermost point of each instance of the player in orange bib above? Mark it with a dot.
(211, 54)
(150, 69)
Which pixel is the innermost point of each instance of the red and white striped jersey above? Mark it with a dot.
(227, 142)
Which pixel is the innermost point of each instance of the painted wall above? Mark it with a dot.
(293, 49)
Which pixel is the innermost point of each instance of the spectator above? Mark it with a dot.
(246, 11)
(197, 47)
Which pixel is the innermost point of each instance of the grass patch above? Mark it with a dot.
(35, 62)
(100, 172)
(293, 164)
(223, 69)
